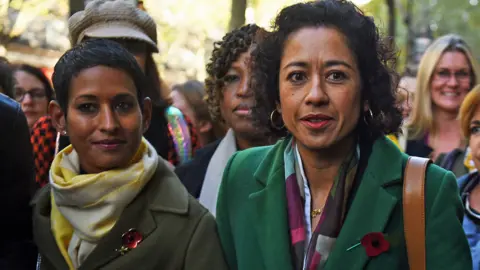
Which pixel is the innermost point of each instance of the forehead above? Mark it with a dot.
(177, 96)
(102, 81)
(453, 60)
(312, 43)
(26, 79)
(244, 59)
(476, 113)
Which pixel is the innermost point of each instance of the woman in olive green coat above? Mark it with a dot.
(329, 195)
(112, 202)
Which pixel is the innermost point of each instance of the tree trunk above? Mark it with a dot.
(237, 18)
(409, 53)
(392, 20)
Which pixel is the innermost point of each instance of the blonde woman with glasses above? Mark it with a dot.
(446, 74)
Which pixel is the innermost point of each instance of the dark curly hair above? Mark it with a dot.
(225, 52)
(375, 56)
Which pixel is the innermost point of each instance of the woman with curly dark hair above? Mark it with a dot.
(230, 102)
(329, 195)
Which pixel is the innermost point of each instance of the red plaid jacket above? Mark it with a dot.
(43, 138)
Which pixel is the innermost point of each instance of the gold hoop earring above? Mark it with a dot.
(370, 113)
(272, 122)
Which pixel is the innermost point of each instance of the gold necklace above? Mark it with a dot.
(316, 212)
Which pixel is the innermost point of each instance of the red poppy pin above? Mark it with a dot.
(130, 240)
(374, 244)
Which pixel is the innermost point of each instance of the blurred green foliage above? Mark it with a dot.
(441, 16)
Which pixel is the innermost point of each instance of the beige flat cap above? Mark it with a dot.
(112, 19)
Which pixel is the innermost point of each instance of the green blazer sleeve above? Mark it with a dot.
(204, 251)
(446, 244)
(222, 217)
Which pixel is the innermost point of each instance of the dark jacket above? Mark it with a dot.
(471, 224)
(192, 173)
(178, 233)
(453, 161)
(17, 178)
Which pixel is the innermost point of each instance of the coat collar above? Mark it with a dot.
(163, 193)
(384, 168)
(372, 206)
(270, 206)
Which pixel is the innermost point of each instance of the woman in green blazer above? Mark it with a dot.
(329, 195)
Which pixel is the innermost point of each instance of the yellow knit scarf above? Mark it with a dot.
(86, 207)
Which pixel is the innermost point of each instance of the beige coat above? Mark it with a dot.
(178, 233)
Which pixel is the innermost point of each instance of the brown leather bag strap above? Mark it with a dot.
(414, 211)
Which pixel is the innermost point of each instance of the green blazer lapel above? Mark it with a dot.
(156, 196)
(42, 232)
(371, 208)
(269, 206)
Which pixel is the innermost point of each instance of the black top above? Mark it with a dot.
(192, 173)
(418, 148)
(17, 185)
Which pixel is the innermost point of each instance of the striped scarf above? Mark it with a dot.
(314, 254)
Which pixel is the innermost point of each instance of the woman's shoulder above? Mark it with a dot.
(246, 162)
(250, 156)
(182, 221)
(246, 167)
(443, 220)
(386, 154)
(441, 192)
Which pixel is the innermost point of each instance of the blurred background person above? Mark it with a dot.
(408, 83)
(446, 73)
(190, 97)
(6, 78)
(171, 133)
(33, 91)
(17, 250)
(405, 96)
(469, 183)
(404, 103)
(230, 100)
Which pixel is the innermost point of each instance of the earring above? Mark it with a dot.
(64, 132)
(273, 122)
(365, 117)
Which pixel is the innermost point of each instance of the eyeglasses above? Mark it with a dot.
(36, 94)
(445, 75)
